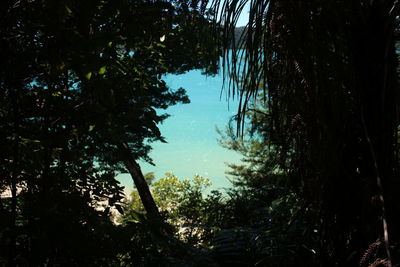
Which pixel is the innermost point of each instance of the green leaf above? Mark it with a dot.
(102, 70)
(91, 127)
(69, 11)
(88, 75)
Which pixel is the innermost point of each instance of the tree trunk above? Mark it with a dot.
(140, 183)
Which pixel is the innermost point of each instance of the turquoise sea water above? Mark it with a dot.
(191, 133)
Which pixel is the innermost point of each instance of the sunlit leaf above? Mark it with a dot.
(88, 75)
(102, 70)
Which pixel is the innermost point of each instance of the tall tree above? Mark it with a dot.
(80, 85)
(331, 84)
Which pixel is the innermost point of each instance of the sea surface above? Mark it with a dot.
(191, 134)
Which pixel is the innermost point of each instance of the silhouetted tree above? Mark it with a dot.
(328, 69)
(80, 85)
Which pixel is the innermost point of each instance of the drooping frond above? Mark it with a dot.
(329, 71)
(283, 41)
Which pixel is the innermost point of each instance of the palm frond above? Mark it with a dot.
(324, 67)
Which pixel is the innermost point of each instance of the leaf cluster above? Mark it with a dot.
(329, 73)
(78, 78)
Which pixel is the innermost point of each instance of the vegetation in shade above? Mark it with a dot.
(80, 85)
(266, 206)
(328, 70)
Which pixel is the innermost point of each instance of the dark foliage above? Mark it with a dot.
(328, 70)
(79, 80)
